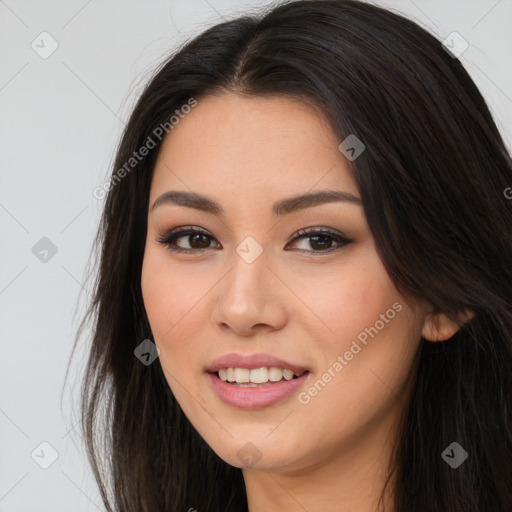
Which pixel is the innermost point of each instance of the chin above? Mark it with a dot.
(257, 452)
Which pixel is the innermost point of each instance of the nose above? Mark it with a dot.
(250, 298)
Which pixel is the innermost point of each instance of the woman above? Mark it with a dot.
(304, 294)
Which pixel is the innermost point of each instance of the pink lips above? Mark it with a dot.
(254, 397)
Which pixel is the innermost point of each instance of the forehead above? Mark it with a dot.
(249, 145)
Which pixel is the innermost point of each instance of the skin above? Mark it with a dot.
(305, 307)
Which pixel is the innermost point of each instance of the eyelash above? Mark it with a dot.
(170, 238)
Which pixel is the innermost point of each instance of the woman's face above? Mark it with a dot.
(323, 302)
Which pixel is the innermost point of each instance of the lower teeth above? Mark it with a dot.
(251, 384)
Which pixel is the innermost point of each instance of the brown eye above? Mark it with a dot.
(321, 240)
(197, 239)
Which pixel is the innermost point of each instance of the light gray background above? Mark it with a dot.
(60, 120)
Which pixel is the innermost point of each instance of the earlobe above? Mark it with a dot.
(438, 327)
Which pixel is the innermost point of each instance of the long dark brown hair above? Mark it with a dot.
(432, 181)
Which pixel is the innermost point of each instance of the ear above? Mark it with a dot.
(438, 327)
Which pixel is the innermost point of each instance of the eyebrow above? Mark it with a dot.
(279, 208)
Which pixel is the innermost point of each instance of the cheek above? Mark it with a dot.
(350, 298)
(175, 301)
(170, 294)
(371, 327)
(172, 306)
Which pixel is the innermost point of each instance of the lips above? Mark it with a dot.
(255, 396)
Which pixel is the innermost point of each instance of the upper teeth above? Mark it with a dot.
(256, 375)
